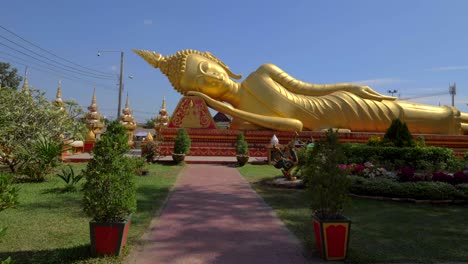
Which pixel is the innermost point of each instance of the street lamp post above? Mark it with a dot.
(392, 92)
(120, 77)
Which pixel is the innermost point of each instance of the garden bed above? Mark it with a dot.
(383, 231)
(59, 226)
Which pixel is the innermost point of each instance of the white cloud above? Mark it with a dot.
(375, 82)
(448, 68)
(114, 68)
(147, 22)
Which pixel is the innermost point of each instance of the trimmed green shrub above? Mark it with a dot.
(182, 142)
(399, 135)
(151, 150)
(433, 158)
(242, 147)
(109, 191)
(327, 184)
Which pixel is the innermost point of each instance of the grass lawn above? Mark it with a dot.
(49, 226)
(381, 231)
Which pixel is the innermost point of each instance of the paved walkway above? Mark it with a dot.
(213, 216)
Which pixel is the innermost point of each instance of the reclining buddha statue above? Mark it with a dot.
(269, 98)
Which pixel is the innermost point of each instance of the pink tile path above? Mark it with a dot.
(213, 216)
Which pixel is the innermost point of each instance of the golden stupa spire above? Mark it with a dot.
(126, 103)
(25, 83)
(93, 118)
(163, 106)
(93, 100)
(58, 102)
(59, 90)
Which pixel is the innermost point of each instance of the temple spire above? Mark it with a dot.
(128, 121)
(126, 103)
(25, 83)
(163, 106)
(59, 90)
(58, 102)
(93, 118)
(93, 100)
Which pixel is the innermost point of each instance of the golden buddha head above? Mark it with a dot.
(191, 70)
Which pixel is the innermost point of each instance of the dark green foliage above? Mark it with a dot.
(465, 156)
(40, 158)
(8, 193)
(70, 178)
(9, 77)
(327, 184)
(399, 135)
(8, 196)
(427, 158)
(149, 123)
(302, 155)
(151, 151)
(242, 147)
(182, 142)
(138, 164)
(30, 128)
(109, 191)
(422, 190)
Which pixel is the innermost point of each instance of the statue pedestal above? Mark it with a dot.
(222, 142)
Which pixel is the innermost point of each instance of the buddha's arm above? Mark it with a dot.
(310, 89)
(276, 123)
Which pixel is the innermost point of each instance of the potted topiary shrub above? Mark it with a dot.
(242, 150)
(181, 145)
(109, 191)
(327, 187)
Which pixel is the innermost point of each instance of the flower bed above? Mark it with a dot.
(406, 183)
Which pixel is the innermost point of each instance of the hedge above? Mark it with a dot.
(414, 190)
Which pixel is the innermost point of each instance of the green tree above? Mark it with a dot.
(182, 142)
(9, 77)
(399, 135)
(242, 147)
(327, 184)
(149, 123)
(109, 191)
(27, 121)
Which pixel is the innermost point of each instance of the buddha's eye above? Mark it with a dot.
(204, 67)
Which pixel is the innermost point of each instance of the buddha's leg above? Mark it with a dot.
(422, 118)
(464, 122)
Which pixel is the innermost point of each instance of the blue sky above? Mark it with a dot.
(415, 47)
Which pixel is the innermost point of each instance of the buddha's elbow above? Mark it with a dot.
(268, 68)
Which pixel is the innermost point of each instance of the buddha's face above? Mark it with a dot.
(205, 76)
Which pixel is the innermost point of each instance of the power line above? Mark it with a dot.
(54, 71)
(35, 45)
(423, 95)
(72, 78)
(74, 71)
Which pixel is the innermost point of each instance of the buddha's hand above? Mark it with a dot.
(366, 92)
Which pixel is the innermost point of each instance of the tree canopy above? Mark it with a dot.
(9, 77)
(27, 117)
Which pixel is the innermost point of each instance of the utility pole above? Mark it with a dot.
(120, 83)
(453, 92)
(120, 77)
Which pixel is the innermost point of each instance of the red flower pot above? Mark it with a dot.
(332, 237)
(108, 238)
